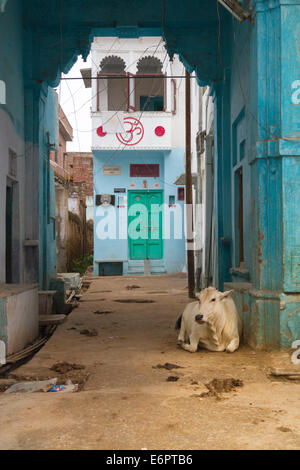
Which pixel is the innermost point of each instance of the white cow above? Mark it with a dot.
(211, 323)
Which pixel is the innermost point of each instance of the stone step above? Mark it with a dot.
(46, 320)
(137, 267)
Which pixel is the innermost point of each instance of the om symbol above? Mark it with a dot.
(134, 132)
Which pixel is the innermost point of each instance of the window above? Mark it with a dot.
(171, 201)
(139, 170)
(144, 91)
(180, 194)
(239, 216)
(150, 90)
(112, 92)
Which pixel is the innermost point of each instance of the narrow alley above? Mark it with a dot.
(149, 183)
(130, 394)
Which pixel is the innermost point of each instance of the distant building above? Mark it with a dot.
(73, 174)
(62, 180)
(80, 167)
(138, 147)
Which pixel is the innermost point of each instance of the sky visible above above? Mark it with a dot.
(76, 102)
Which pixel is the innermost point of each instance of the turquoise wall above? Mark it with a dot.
(11, 63)
(48, 140)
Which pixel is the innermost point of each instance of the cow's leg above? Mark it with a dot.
(233, 345)
(181, 336)
(193, 346)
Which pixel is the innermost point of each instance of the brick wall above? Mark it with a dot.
(80, 167)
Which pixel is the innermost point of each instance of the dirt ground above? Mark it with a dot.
(126, 402)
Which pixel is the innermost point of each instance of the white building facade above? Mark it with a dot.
(138, 127)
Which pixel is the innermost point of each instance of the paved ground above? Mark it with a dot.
(126, 403)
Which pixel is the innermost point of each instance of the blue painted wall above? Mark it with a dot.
(171, 166)
(48, 140)
(11, 63)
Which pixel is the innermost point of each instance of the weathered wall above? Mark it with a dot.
(75, 239)
(62, 224)
(12, 134)
(80, 167)
(22, 320)
(89, 237)
(80, 236)
(48, 139)
(19, 322)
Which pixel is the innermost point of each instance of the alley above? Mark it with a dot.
(122, 332)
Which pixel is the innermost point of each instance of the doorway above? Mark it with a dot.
(12, 232)
(145, 224)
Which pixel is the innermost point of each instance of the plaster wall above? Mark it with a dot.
(22, 320)
(19, 321)
(171, 166)
(131, 50)
(12, 134)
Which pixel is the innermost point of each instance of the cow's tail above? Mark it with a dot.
(178, 323)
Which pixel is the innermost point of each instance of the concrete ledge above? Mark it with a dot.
(19, 316)
(7, 290)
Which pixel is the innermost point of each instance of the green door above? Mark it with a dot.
(145, 224)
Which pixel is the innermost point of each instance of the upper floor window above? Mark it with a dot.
(150, 91)
(112, 92)
(144, 91)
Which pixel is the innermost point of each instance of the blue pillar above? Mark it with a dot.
(275, 178)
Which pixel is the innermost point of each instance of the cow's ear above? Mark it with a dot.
(226, 294)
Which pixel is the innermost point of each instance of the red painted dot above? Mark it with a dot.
(100, 132)
(160, 131)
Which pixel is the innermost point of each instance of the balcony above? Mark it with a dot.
(149, 130)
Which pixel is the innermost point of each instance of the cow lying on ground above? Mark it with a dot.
(211, 323)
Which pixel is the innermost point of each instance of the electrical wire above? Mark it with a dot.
(125, 71)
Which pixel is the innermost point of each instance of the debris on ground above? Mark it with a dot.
(31, 387)
(286, 373)
(103, 312)
(64, 367)
(68, 387)
(217, 386)
(71, 296)
(284, 429)
(172, 378)
(134, 286)
(89, 333)
(6, 383)
(167, 366)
